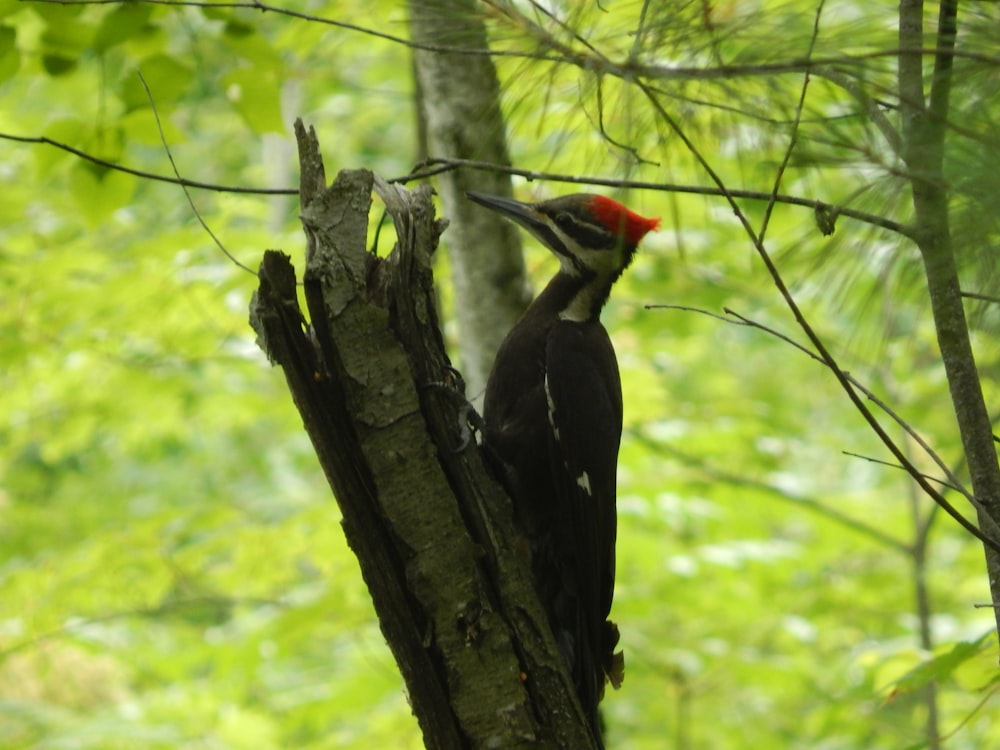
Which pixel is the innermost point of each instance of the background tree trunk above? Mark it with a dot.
(925, 127)
(460, 102)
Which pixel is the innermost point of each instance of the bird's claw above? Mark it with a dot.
(469, 420)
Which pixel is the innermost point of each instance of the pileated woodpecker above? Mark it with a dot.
(553, 423)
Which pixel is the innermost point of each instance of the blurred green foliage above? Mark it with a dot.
(172, 572)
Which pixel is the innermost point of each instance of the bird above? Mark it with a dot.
(552, 423)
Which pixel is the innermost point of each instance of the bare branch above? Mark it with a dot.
(780, 172)
(436, 165)
(177, 174)
(176, 180)
(594, 62)
(607, 136)
(853, 387)
(983, 297)
(737, 319)
(872, 107)
(719, 474)
(891, 465)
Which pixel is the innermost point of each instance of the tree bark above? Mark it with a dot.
(924, 132)
(460, 100)
(432, 531)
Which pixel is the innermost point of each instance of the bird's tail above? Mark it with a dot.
(595, 665)
(612, 662)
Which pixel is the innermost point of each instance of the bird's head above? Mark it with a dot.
(592, 235)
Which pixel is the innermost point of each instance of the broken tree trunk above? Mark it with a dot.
(447, 571)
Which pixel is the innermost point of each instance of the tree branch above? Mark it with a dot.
(719, 474)
(435, 165)
(952, 481)
(822, 351)
(924, 132)
(461, 108)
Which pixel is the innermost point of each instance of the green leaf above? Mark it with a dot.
(57, 65)
(9, 7)
(99, 191)
(237, 28)
(59, 14)
(167, 80)
(63, 130)
(67, 38)
(10, 57)
(941, 667)
(140, 126)
(121, 25)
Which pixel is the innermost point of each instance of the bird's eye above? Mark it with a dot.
(565, 221)
(588, 234)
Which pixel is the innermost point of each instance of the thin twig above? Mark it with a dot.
(842, 376)
(813, 337)
(576, 35)
(437, 165)
(151, 612)
(607, 136)
(801, 501)
(187, 193)
(640, 33)
(975, 709)
(800, 105)
(891, 465)
(627, 70)
(983, 297)
(873, 107)
(734, 318)
(43, 140)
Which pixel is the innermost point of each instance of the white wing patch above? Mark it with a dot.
(582, 481)
(552, 409)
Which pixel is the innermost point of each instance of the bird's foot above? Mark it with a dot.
(469, 420)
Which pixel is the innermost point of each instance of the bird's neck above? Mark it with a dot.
(578, 298)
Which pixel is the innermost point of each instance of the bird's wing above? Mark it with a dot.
(583, 395)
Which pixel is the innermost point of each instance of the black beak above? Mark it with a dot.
(523, 213)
